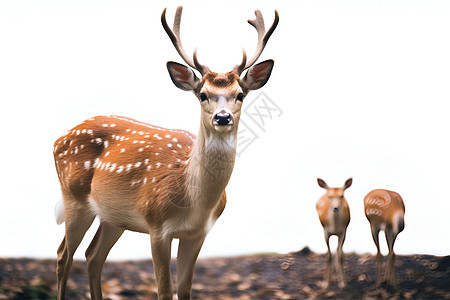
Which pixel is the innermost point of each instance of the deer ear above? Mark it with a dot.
(183, 77)
(258, 75)
(348, 183)
(322, 183)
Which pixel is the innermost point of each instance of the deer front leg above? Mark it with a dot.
(340, 260)
(327, 277)
(188, 251)
(161, 254)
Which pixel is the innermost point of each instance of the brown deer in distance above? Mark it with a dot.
(144, 178)
(334, 215)
(385, 210)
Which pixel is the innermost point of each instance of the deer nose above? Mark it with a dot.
(336, 209)
(222, 119)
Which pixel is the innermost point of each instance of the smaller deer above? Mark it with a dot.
(334, 214)
(385, 210)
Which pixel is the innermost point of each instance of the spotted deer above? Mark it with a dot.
(385, 210)
(334, 215)
(144, 178)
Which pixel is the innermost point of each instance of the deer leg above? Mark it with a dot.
(375, 236)
(105, 238)
(340, 260)
(188, 251)
(78, 218)
(390, 270)
(327, 277)
(161, 254)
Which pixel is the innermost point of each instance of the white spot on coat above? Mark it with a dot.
(96, 162)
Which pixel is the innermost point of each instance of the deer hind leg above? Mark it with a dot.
(78, 218)
(340, 260)
(375, 235)
(390, 270)
(105, 238)
(188, 251)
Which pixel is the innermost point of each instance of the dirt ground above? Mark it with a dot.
(296, 275)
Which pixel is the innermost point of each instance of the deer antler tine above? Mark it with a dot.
(258, 22)
(204, 69)
(174, 35)
(263, 37)
(272, 28)
(177, 21)
(239, 68)
(166, 26)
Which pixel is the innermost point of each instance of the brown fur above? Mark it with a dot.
(376, 198)
(221, 80)
(324, 205)
(155, 205)
(334, 215)
(145, 178)
(385, 211)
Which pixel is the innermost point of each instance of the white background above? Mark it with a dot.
(363, 86)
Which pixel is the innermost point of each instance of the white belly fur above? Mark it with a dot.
(119, 215)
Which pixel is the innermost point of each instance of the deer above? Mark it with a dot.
(167, 183)
(385, 211)
(334, 215)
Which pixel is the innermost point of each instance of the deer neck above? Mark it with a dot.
(210, 166)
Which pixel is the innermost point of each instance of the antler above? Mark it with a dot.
(263, 37)
(174, 36)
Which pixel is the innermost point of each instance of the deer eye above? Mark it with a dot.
(240, 97)
(203, 97)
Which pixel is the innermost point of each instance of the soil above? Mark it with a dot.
(296, 275)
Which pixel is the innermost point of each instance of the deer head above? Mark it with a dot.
(220, 94)
(335, 195)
